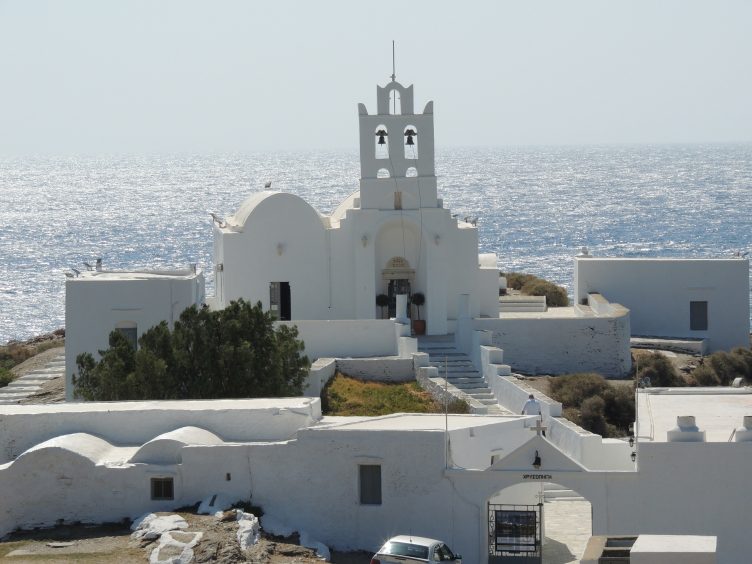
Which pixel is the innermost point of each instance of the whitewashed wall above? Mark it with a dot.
(347, 337)
(658, 292)
(563, 345)
(95, 304)
(127, 423)
(311, 484)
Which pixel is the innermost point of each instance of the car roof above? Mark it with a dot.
(415, 540)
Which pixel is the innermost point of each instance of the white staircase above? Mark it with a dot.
(459, 370)
(29, 384)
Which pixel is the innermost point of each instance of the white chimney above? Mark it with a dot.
(744, 433)
(686, 431)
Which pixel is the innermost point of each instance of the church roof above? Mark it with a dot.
(254, 201)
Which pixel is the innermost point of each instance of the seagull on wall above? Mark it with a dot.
(218, 220)
(268, 184)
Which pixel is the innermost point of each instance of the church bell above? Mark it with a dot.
(381, 134)
(409, 134)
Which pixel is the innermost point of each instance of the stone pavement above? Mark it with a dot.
(29, 384)
(568, 525)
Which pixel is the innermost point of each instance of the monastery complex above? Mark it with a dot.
(475, 480)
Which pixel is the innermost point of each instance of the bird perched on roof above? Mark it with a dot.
(88, 266)
(268, 184)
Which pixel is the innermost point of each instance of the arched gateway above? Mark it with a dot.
(505, 500)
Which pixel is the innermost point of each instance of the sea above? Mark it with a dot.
(536, 207)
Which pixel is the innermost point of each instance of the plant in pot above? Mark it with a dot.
(419, 325)
(382, 300)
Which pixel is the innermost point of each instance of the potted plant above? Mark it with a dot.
(419, 325)
(382, 300)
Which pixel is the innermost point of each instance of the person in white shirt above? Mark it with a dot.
(532, 406)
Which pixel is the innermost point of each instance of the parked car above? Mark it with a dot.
(406, 548)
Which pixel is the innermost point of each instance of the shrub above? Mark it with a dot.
(745, 355)
(571, 390)
(704, 375)
(6, 377)
(593, 418)
(516, 280)
(727, 366)
(619, 407)
(659, 369)
(556, 296)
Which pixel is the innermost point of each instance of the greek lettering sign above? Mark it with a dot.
(547, 477)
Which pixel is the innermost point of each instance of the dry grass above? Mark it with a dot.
(350, 397)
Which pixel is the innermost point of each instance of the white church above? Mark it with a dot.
(475, 480)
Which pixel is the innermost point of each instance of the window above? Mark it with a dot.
(370, 484)
(698, 316)
(130, 333)
(162, 488)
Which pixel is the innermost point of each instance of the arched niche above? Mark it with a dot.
(411, 172)
(382, 173)
(395, 102)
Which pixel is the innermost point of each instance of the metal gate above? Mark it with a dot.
(514, 534)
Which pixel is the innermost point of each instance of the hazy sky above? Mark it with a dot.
(174, 76)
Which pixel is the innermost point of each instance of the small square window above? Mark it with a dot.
(370, 484)
(698, 316)
(162, 488)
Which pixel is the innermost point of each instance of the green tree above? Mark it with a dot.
(232, 353)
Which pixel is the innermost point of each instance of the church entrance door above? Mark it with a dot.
(399, 286)
(279, 300)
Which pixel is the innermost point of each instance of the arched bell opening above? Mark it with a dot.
(410, 134)
(381, 143)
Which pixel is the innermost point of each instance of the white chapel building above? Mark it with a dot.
(393, 236)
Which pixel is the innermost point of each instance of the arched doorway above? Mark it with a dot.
(538, 523)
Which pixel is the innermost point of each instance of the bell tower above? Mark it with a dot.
(396, 152)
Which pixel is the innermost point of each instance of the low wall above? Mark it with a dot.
(322, 370)
(347, 337)
(561, 345)
(381, 369)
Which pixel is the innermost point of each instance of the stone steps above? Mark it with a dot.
(553, 492)
(30, 383)
(459, 371)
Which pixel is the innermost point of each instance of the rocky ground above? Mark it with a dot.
(113, 544)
